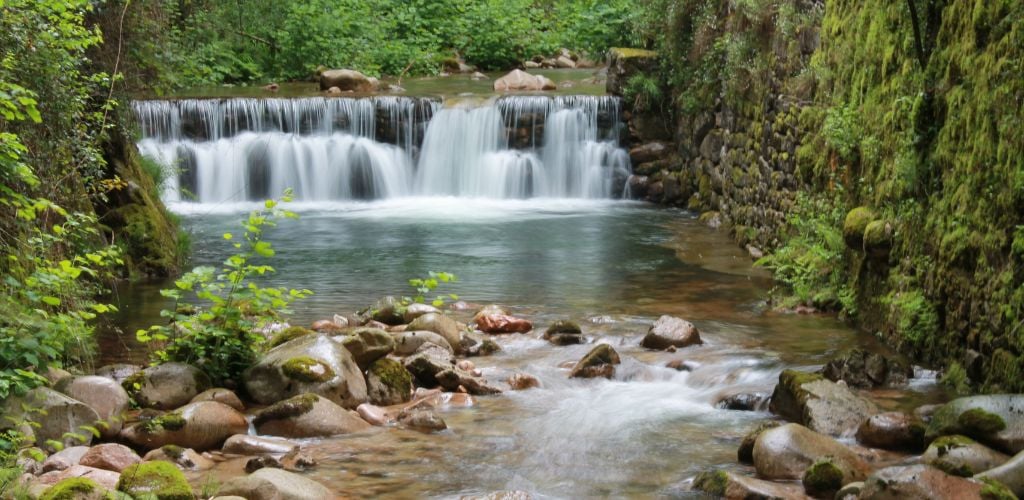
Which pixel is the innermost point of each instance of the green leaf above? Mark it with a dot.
(53, 301)
(263, 249)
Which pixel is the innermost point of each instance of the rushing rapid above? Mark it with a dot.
(340, 149)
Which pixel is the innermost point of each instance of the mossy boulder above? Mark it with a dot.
(275, 484)
(367, 344)
(962, 456)
(1010, 474)
(785, 452)
(855, 224)
(311, 363)
(388, 310)
(288, 334)
(820, 404)
(307, 415)
(599, 362)
(878, 239)
(823, 479)
(892, 431)
(922, 482)
(203, 425)
(624, 62)
(564, 332)
(996, 420)
(167, 386)
(75, 488)
(864, 369)
(184, 458)
(388, 383)
(159, 480)
(725, 484)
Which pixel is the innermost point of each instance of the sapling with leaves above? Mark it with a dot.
(428, 284)
(218, 313)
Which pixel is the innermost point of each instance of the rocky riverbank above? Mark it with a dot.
(162, 429)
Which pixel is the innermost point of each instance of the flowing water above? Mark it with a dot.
(521, 198)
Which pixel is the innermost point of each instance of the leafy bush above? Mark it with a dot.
(218, 330)
(810, 264)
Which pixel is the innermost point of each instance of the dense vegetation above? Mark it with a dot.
(172, 44)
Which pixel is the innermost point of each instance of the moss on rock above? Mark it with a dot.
(978, 422)
(290, 333)
(878, 239)
(156, 479)
(629, 53)
(71, 489)
(823, 478)
(307, 369)
(289, 408)
(168, 422)
(712, 482)
(392, 374)
(995, 490)
(173, 451)
(854, 226)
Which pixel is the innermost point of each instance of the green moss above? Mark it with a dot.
(169, 422)
(955, 378)
(793, 380)
(564, 326)
(156, 479)
(173, 451)
(133, 383)
(878, 238)
(290, 333)
(994, 490)
(978, 422)
(289, 408)
(392, 374)
(823, 477)
(307, 369)
(712, 482)
(855, 224)
(627, 53)
(70, 489)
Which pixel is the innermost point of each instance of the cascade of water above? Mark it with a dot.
(381, 147)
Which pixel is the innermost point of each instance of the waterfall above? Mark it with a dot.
(335, 149)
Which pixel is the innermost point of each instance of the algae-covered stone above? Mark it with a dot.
(625, 62)
(878, 239)
(785, 452)
(564, 332)
(75, 488)
(313, 363)
(367, 344)
(166, 386)
(288, 334)
(724, 484)
(307, 415)
(996, 420)
(820, 404)
(388, 383)
(159, 480)
(822, 479)
(1010, 474)
(599, 362)
(856, 222)
(962, 456)
(918, 482)
(203, 425)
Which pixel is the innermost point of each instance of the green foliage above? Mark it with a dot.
(645, 92)
(219, 330)
(842, 132)
(810, 263)
(427, 285)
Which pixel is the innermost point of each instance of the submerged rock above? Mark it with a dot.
(422, 419)
(522, 381)
(785, 452)
(892, 431)
(307, 415)
(276, 484)
(962, 456)
(725, 484)
(564, 332)
(746, 401)
(820, 404)
(918, 482)
(184, 458)
(599, 362)
(996, 420)
(860, 368)
(244, 444)
(201, 426)
(311, 364)
(166, 386)
(388, 383)
(669, 331)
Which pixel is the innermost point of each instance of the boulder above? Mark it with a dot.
(918, 482)
(416, 309)
(244, 444)
(388, 383)
(878, 239)
(422, 419)
(118, 372)
(408, 342)
(995, 419)
(546, 83)
(856, 222)
(64, 458)
(367, 345)
(347, 80)
(388, 310)
(823, 479)
(669, 331)
(785, 452)
(652, 151)
(744, 401)
(745, 453)
(105, 478)
(501, 323)
(312, 364)
(200, 426)
(565, 62)
(374, 415)
(160, 480)
(441, 325)
(428, 361)
(220, 395)
(599, 362)
(522, 381)
(456, 380)
(863, 369)
(275, 484)
(725, 484)
(518, 80)
(184, 458)
(820, 404)
(307, 415)
(564, 332)
(76, 488)
(892, 431)
(110, 456)
(962, 456)
(166, 386)
(289, 334)
(1010, 474)
(60, 418)
(102, 394)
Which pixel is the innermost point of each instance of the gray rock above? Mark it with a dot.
(892, 431)
(244, 444)
(64, 458)
(415, 310)
(185, 458)
(220, 395)
(276, 484)
(962, 456)
(388, 383)
(307, 415)
(785, 452)
(820, 404)
(599, 362)
(725, 484)
(441, 325)
(204, 425)
(118, 372)
(347, 80)
(1010, 474)
(918, 482)
(311, 364)
(427, 363)
(745, 401)
(408, 342)
(58, 417)
(564, 332)
(422, 419)
(367, 345)
(996, 420)
(105, 478)
(454, 379)
(102, 394)
(860, 368)
(388, 310)
(669, 331)
(166, 386)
